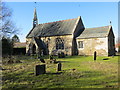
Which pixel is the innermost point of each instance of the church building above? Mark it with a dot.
(70, 37)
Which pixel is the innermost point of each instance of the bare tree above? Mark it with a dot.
(7, 27)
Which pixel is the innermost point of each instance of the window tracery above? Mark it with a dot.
(59, 43)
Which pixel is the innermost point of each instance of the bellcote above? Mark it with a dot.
(35, 20)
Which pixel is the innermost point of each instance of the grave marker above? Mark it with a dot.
(95, 55)
(40, 69)
(59, 66)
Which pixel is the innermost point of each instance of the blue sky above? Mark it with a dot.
(94, 14)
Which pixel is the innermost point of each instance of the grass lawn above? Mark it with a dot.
(77, 72)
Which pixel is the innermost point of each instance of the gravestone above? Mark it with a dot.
(42, 60)
(61, 55)
(59, 66)
(40, 69)
(95, 55)
(51, 57)
(52, 60)
(10, 62)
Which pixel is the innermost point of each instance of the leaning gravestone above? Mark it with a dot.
(59, 66)
(40, 69)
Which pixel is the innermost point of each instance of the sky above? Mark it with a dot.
(93, 14)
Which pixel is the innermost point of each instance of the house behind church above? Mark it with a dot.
(70, 37)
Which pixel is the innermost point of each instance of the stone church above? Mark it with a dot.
(69, 37)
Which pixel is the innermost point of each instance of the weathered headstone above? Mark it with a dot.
(51, 57)
(10, 62)
(61, 55)
(42, 60)
(59, 66)
(40, 69)
(95, 55)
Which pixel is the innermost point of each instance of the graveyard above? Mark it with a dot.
(75, 72)
(59, 45)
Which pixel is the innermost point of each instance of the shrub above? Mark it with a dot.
(7, 46)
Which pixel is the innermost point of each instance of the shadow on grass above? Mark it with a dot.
(62, 61)
(57, 73)
(106, 59)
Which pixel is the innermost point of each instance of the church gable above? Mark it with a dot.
(111, 42)
(110, 33)
(79, 28)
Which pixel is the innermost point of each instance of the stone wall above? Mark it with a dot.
(52, 45)
(28, 42)
(90, 45)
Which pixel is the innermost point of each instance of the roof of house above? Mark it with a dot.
(117, 45)
(95, 32)
(20, 45)
(58, 28)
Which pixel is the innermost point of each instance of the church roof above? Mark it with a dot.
(95, 32)
(58, 28)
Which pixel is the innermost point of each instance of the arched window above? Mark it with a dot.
(59, 43)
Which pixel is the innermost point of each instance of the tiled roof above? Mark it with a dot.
(95, 32)
(63, 27)
(117, 45)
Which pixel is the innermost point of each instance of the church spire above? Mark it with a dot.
(35, 20)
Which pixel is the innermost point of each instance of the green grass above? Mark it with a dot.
(87, 74)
